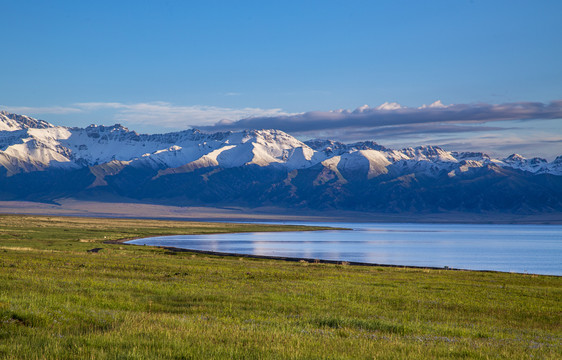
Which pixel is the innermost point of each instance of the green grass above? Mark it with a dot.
(57, 301)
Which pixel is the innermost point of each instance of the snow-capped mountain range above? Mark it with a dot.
(27, 144)
(113, 158)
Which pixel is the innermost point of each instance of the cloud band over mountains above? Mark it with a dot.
(387, 119)
(393, 115)
(159, 113)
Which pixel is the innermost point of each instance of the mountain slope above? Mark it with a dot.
(264, 167)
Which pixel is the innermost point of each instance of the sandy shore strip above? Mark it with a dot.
(73, 207)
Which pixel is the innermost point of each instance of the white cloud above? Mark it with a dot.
(435, 105)
(501, 145)
(156, 113)
(388, 106)
(41, 110)
(173, 116)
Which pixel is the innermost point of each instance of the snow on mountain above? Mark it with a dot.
(470, 156)
(328, 147)
(274, 146)
(12, 122)
(555, 167)
(429, 153)
(27, 144)
(535, 165)
(330, 171)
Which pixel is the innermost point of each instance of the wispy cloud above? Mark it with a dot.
(529, 146)
(60, 110)
(158, 113)
(416, 130)
(392, 114)
(385, 119)
(173, 116)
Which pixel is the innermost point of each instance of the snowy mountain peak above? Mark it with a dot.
(12, 122)
(537, 161)
(470, 155)
(428, 153)
(321, 144)
(535, 165)
(365, 145)
(514, 158)
(114, 129)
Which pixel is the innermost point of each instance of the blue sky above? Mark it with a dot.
(158, 66)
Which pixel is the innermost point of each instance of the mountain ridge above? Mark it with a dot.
(257, 167)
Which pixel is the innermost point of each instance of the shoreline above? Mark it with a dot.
(273, 257)
(315, 261)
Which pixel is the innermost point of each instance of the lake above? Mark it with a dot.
(535, 249)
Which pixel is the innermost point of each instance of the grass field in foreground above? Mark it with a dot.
(58, 301)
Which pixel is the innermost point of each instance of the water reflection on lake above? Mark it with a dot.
(518, 248)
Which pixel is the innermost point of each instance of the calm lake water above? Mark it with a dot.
(533, 249)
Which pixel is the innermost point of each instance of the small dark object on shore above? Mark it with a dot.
(95, 250)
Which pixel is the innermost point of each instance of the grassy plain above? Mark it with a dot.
(58, 301)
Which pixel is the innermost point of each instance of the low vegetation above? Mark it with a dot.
(59, 301)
